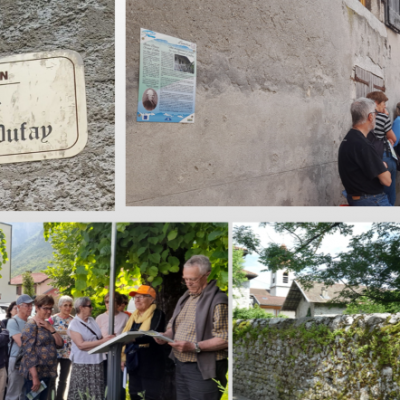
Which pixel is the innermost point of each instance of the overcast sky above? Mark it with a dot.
(332, 244)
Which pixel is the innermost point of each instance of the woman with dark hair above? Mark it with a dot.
(39, 345)
(147, 373)
(12, 311)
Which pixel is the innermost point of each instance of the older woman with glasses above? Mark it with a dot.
(38, 342)
(87, 369)
(144, 358)
(61, 322)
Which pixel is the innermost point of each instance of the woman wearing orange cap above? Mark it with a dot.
(144, 358)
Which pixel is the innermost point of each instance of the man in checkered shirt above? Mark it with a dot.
(199, 327)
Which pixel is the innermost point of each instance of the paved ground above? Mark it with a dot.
(239, 397)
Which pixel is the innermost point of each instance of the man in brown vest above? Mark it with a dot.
(199, 327)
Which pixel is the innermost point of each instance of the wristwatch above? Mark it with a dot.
(197, 349)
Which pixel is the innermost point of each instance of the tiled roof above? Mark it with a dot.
(52, 292)
(263, 298)
(249, 274)
(243, 249)
(38, 277)
(313, 295)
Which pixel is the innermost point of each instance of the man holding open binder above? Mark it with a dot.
(199, 327)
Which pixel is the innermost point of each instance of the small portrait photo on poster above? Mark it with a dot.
(150, 99)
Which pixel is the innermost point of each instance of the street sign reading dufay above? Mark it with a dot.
(42, 106)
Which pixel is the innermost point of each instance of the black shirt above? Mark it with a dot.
(360, 165)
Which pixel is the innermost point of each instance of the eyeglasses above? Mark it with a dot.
(30, 305)
(374, 112)
(185, 281)
(47, 308)
(88, 306)
(141, 296)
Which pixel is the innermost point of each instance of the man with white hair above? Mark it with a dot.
(362, 171)
(150, 100)
(15, 326)
(199, 327)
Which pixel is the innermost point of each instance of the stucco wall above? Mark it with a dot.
(316, 309)
(272, 104)
(302, 308)
(86, 181)
(343, 357)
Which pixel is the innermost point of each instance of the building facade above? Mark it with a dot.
(273, 100)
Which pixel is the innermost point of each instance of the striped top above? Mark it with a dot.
(383, 125)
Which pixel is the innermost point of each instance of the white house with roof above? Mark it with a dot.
(269, 303)
(313, 302)
(43, 285)
(241, 295)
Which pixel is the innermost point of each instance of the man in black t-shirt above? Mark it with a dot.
(362, 171)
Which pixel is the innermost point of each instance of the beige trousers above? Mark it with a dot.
(3, 380)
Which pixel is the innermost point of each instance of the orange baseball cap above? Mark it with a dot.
(144, 289)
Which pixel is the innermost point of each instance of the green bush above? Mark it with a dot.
(253, 313)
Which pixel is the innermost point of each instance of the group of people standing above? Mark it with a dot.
(38, 345)
(370, 152)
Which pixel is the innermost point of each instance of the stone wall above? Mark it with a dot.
(341, 357)
(86, 181)
(272, 104)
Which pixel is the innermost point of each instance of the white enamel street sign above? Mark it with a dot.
(42, 106)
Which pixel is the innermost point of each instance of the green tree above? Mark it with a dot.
(147, 253)
(369, 267)
(3, 249)
(28, 284)
(364, 305)
(65, 240)
(238, 276)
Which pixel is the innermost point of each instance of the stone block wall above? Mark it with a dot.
(342, 357)
(86, 181)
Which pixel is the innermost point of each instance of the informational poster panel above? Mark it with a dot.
(167, 82)
(42, 106)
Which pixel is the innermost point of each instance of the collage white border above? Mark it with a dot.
(186, 214)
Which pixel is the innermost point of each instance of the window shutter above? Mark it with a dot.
(367, 82)
(393, 14)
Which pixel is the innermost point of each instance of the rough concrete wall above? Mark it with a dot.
(344, 357)
(86, 181)
(272, 104)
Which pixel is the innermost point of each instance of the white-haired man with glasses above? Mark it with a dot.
(199, 327)
(361, 169)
